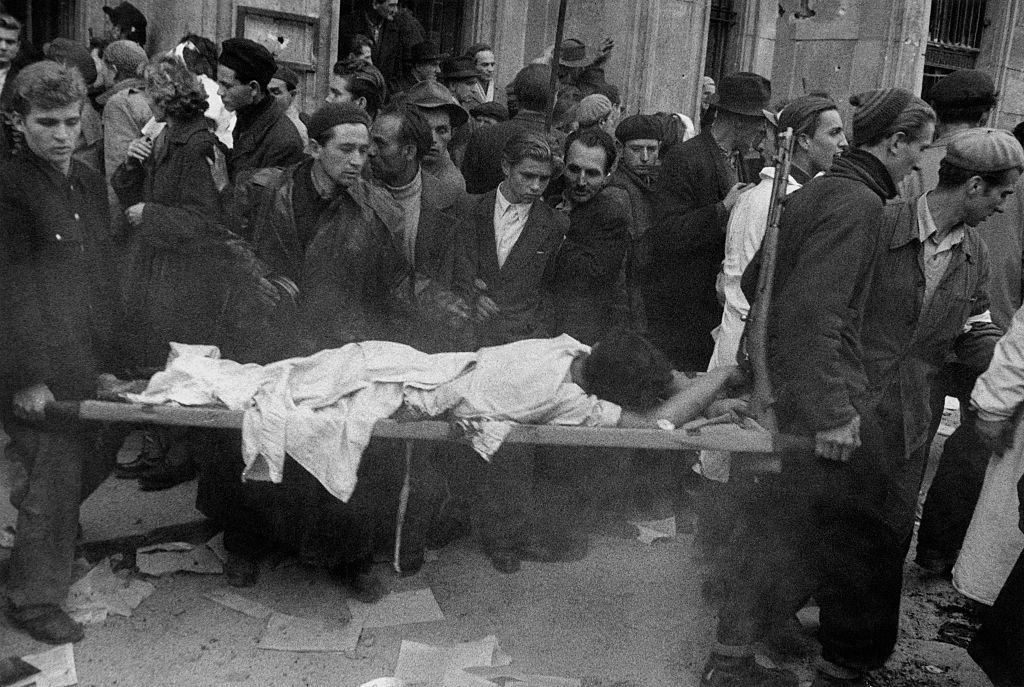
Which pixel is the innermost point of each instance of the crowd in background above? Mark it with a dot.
(420, 204)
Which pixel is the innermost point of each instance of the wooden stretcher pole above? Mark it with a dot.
(556, 56)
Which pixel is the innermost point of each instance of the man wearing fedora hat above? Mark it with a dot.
(394, 31)
(696, 190)
(464, 80)
(424, 64)
(444, 114)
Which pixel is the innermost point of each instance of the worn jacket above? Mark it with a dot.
(629, 305)
(688, 244)
(905, 345)
(58, 296)
(827, 238)
(180, 271)
(439, 227)
(269, 140)
(522, 286)
(588, 266)
(352, 282)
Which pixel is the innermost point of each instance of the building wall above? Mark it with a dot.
(850, 46)
(1002, 56)
(659, 44)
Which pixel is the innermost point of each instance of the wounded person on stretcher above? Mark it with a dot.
(623, 381)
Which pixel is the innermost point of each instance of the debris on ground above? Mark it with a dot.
(7, 537)
(290, 633)
(102, 592)
(429, 664)
(56, 666)
(652, 530)
(239, 603)
(165, 559)
(398, 608)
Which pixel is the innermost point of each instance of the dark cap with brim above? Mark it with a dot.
(744, 93)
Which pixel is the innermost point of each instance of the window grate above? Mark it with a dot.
(957, 24)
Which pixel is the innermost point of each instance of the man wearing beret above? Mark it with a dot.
(639, 137)
(697, 189)
(963, 101)
(264, 136)
(829, 521)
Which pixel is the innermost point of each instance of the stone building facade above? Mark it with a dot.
(662, 47)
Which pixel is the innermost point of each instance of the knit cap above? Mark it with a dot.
(964, 88)
(638, 127)
(985, 150)
(593, 109)
(126, 57)
(331, 115)
(876, 111)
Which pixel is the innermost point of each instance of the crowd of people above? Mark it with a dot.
(182, 196)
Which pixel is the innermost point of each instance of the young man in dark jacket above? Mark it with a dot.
(264, 136)
(393, 30)
(59, 300)
(827, 516)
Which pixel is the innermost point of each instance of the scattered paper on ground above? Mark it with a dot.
(216, 544)
(401, 608)
(164, 559)
(427, 664)
(505, 675)
(237, 602)
(651, 530)
(57, 666)
(289, 633)
(102, 592)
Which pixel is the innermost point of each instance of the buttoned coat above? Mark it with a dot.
(522, 286)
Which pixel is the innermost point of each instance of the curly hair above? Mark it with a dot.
(47, 85)
(626, 369)
(175, 89)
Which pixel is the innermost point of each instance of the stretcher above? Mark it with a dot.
(754, 450)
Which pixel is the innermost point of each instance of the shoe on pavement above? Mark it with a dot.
(46, 623)
(151, 455)
(787, 637)
(743, 671)
(241, 571)
(177, 468)
(504, 556)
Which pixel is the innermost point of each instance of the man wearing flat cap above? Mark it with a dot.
(264, 136)
(929, 299)
(445, 115)
(832, 520)
(697, 188)
(460, 76)
(963, 100)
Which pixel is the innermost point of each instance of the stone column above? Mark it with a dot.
(849, 46)
(756, 39)
(1002, 56)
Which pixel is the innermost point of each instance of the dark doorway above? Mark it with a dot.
(723, 19)
(44, 20)
(442, 19)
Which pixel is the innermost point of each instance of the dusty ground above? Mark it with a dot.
(629, 615)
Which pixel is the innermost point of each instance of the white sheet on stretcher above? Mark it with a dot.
(321, 410)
